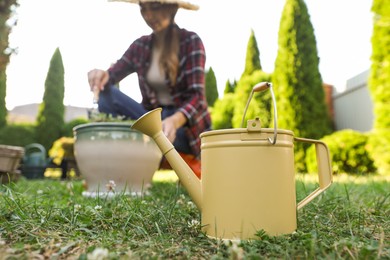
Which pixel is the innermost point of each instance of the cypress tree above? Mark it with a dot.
(229, 87)
(229, 111)
(379, 85)
(260, 104)
(297, 80)
(3, 91)
(7, 8)
(211, 87)
(252, 59)
(50, 121)
(222, 112)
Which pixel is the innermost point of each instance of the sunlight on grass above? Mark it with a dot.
(165, 176)
(345, 178)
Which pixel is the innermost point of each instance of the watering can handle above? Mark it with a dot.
(258, 88)
(324, 169)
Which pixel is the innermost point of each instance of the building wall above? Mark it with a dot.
(328, 89)
(28, 113)
(353, 108)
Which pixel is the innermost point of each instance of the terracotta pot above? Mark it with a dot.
(115, 159)
(9, 177)
(10, 157)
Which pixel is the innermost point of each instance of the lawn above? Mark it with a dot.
(50, 219)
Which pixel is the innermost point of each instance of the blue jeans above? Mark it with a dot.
(113, 101)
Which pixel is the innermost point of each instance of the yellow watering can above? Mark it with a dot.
(248, 181)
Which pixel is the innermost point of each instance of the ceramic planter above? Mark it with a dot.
(115, 159)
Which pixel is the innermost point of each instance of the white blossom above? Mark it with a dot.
(77, 207)
(98, 254)
(193, 224)
(111, 185)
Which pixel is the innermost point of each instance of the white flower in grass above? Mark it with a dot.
(181, 199)
(77, 207)
(236, 252)
(15, 217)
(98, 254)
(110, 186)
(193, 224)
(130, 254)
(69, 186)
(39, 191)
(98, 207)
(190, 204)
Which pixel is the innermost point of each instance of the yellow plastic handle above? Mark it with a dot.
(324, 169)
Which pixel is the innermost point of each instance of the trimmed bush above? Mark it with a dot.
(379, 85)
(68, 128)
(261, 103)
(211, 87)
(18, 135)
(348, 151)
(222, 112)
(50, 118)
(298, 84)
(379, 145)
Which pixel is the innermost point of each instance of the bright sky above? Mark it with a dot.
(95, 33)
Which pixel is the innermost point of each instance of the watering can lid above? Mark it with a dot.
(245, 130)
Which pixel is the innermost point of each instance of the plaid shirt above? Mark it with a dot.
(188, 93)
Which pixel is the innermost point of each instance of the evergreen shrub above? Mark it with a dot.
(379, 145)
(68, 128)
(348, 151)
(17, 134)
(260, 104)
(222, 112)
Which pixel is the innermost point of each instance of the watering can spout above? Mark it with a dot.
(150, 124)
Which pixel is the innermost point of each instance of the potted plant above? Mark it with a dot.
(62, 158)
(113, 158)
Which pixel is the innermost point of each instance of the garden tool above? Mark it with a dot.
(248, 178)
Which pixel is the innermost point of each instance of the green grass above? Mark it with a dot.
(51, 219)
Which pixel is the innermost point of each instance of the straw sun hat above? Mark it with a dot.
(181, 4)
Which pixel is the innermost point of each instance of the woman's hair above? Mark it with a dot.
(169, 59)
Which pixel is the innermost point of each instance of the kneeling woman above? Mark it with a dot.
(170, 64)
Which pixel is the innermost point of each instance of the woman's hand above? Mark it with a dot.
(97, 79)
(172, 123)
